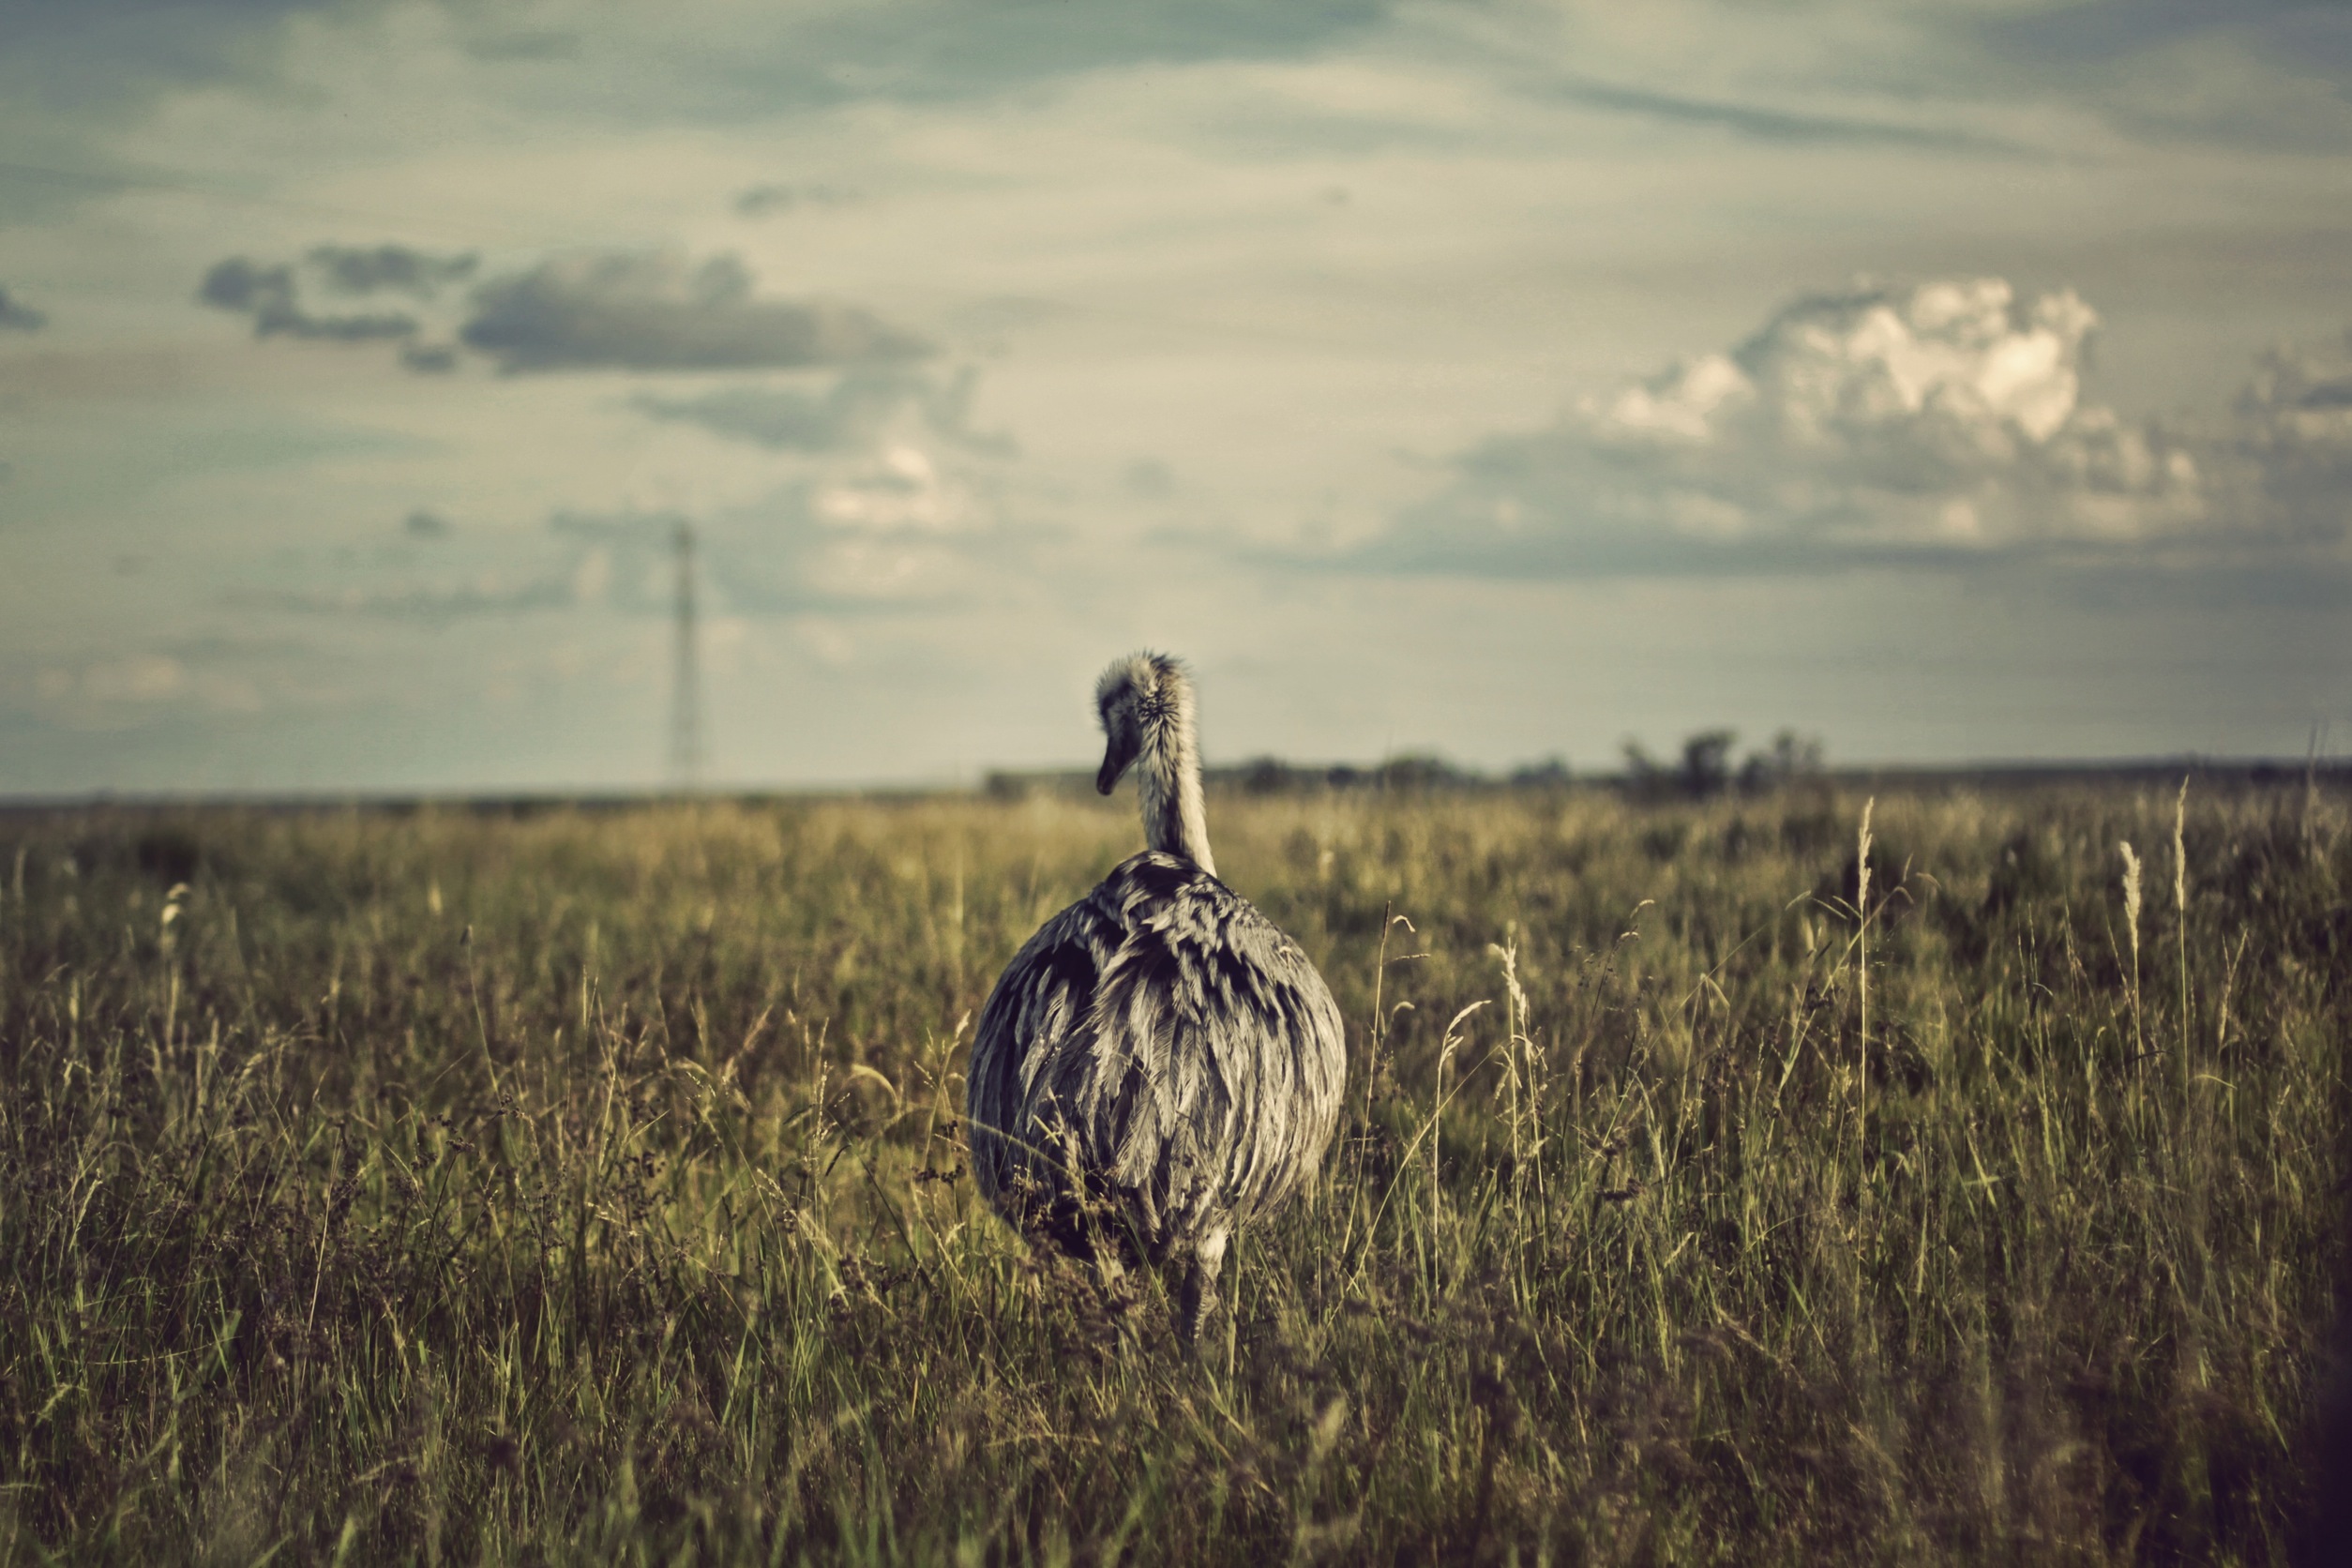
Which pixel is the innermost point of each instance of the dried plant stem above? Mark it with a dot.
(703, 1275)
(2181, 922)
(2131, 927)
(1861, 970)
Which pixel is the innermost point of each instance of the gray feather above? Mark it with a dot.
(1159, 1065)
(1161, 1046)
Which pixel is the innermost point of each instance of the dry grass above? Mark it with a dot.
(589, 1187)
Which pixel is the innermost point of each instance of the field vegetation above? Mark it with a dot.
(587, 1186)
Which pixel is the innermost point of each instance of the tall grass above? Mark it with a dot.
(589, 1187)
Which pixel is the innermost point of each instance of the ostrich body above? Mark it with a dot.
(1159, 1065)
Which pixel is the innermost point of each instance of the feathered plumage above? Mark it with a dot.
(1159, 1064)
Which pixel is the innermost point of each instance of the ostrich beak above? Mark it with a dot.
(1115, 763)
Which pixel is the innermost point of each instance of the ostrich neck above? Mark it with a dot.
(1175, 821)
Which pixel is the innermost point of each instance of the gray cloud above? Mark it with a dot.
(551, 43)
(270, 295)
(938, 51)
(1762, 122)
(2273, 73)
(767, 201)
(2294, 432)
(852, 413)
(431, 604)
(105, 49)
(92, 57)
(631, 312)
(1937, 425)
(16, 316)
(639, 311)
(1149, 479)
(627, 525)
(2320, 35)
(358, 269)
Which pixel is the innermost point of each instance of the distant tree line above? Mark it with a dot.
(1706, 768)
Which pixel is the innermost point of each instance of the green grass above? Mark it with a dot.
(588, 1187)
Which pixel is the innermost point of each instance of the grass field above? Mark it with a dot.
(571, 1186)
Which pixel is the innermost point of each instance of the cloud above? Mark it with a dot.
(654, 311)
(113, 689)
(354, 269)
(1764, 123)
(97, 59)
(892, 504)
(776, 196)
(851, 413)
(901, 490)
(2111, 29)
(435, 604)
(1149, 479)
(896, 502)
(486, 574)
(855, 412)
(549, 44)
(139, 678)
(2294, 432)
(91, 57)
(771, 558)
(2264, 73)
(16, 316)
(270, 295)
(606, 310)
(1940, 422)
(887, 501)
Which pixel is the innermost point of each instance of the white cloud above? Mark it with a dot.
(143, 678)
(889, 497)
(1951, 411)
(902, 489)
(126, 689)
(1135, 228)
(1941, 420)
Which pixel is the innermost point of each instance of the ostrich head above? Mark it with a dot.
(1145, 702)
(1141, 699)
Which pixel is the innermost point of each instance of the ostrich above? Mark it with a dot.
(1159, 1065)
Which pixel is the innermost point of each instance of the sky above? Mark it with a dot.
(1949, 382)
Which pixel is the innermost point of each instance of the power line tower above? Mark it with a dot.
(686, 681)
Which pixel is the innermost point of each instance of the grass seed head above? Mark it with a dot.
(2179, 849)
(2131, 890)
(1861, 862)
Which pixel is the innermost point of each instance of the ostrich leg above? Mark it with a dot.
(1199, 1302)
